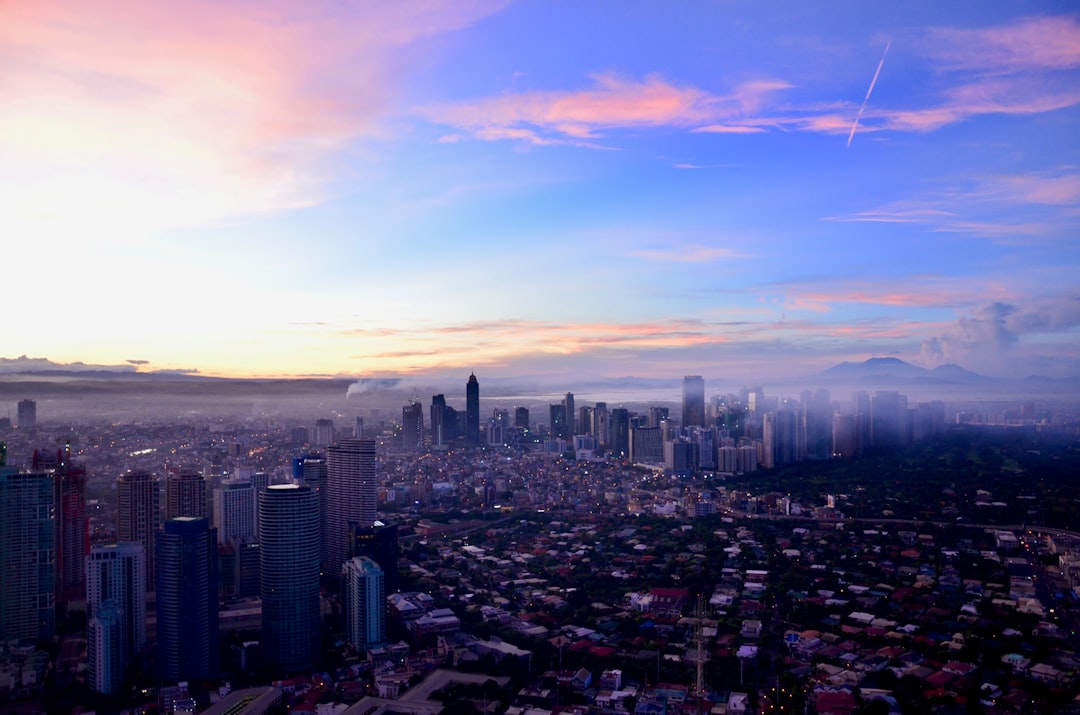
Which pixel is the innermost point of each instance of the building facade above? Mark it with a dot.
(138, 514)
(187, 600)
(27, 559)
(115, 574)
(363, 600)
(351, 495)
(289, 577)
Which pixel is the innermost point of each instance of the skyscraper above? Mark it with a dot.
(557, 417)
(28, 585)
(185, 494)
(105, 657)
(568, 408)
(187, 590)
(351, 495)
(472, 412)
(439, 435)
(363, 600)
(69, 504)
(412, 426)
(138, 514)
(311, 470)
(693, 401)
(116, 575)
(620, 432)
(27, 414)
(289, 576)
(234, 510)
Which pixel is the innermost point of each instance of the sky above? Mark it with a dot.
(740, 190)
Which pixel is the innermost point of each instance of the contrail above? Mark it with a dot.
(868, 91)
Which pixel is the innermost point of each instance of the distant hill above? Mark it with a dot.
(890, 370)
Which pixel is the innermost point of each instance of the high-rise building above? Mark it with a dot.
(439, 437)
(620, 432)
(557, 416)
(311, 470)
(363, 600)
(568, 409)
(412, 426)
(69, 505)
(351, 495)
(472, 412)
(27, 414)
(187, 599)
(105, 656)
(289, 577)
(324, 432)
(521, 417)
(115, 574)
(28, 585)
(646, 445)
(185, 494)
(693, 401)
(234, 510)
(380, 544)
(139, 514)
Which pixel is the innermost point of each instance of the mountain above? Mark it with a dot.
(889, 370)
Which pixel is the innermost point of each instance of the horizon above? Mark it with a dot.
(542, 190)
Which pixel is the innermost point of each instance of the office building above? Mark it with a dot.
(117, 572)
(139, 514)
(324, 432)
(26, 415)
(311, 470)
(363, 600)
(569, 414)
(693, 404)
(557, 428)
(185, 494)
(380, 544)
(521, 418)
(351, 495)
(28, 586)
(234, 510)
(619, 429)
(646, 445)
(412, 426)
(115, 584)
(472, 412)
(289, 577)
(187, 600)
(105, 656)
(69, 518)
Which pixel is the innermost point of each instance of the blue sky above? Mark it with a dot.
(542, 188)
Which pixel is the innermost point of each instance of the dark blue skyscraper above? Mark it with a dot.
(472, 412)
(187, 588)
(289, 576)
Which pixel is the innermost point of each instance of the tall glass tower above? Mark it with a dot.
(187, 590)
(693, 401)
(115, 575)
(351, 491)
(289, 576)
(472, 412)
(28, 584)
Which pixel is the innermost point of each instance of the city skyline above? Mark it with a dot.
(542, 189)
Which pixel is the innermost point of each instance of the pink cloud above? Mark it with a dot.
(1037, 43)
(164, 114)
(612, 102)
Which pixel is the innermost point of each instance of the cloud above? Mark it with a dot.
(986, 340)
(24, 364)
(612, 102)
(688, 254)
(1020, 68)
(141, 117)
